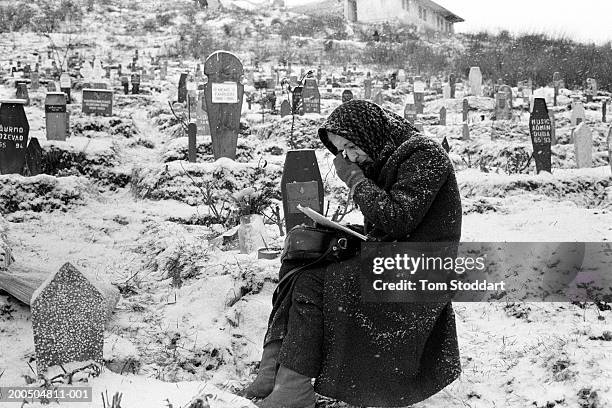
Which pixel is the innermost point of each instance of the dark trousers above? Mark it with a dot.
(302, 348)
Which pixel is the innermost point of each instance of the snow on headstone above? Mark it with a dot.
(301, 183)
(311, 96)
(401, 75)
(14, 128)
(377, 95)
(475, 80)
(68, 317)
(347, 95)
(578, 114)
(224, 95)
(285, 108)
(583, 145)
(55, 116)
(540, 129)
(98, 71)
(86, 71)
(443, 116)
(22, 93)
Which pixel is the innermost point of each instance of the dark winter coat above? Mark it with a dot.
(389, 354)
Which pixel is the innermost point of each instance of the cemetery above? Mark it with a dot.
(148, 181)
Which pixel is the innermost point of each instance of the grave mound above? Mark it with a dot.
(178, 149)
(41, 193)
(304, 132)
(99, 126)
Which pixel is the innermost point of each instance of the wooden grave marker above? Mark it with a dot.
(192, 131)
(182, 88)
(540, 129)
(301, 183)
(443, 116)
(14, 132)
(56, 116)
(224, 94)
(583, 145)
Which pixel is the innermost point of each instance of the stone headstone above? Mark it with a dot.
(97, 102)
(443, 116)
(378, 99)
(182, 88)
(192, 131)
(224, 94)
(163, 71)
(509, 97)
(410, 113)
(583, 145)
(347, 95)
(419, 96)
(540, 129)
(22, 93)
(125, 83)
(55, 116)
(578, 114)
(367, 88)
(445, 144)
(14, 132)
(296, 101)
(502, 110)
(65, 86)
(301, 183)
(446, 91)
(475, 80)
(401, 75)
(452, 82)
(465, 129)
(285, 108)
(51, 86)
(68, 317)
(35, 78)
(311, 96)
(34, 157)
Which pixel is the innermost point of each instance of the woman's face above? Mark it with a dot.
(348, 148)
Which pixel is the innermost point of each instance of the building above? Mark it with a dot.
(425, 14)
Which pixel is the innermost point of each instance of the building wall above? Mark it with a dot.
(406, 11)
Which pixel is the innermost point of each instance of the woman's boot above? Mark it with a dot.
(291, 390)
(264, 382)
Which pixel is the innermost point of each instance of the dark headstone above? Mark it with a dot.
(410, 113)
(55, 116)
(610, 147)
(14, 131)
(297, 101)
(68, 317)
(192, 131)
(604, 108)
(540, 129)
(203, 127)
(301, 183)
(445, 144)
(22, 93)
(182, 88)
(465, 131)
(125, 83)
(135, 80)
(311, 97)
(285, 108)
(443, 116)
(224, 95)
(347, 95)
(97, 102)
(452, 82)
(34, 156)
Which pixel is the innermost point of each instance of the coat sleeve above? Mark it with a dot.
(400, 210)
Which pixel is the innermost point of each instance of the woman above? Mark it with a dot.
(383, 354)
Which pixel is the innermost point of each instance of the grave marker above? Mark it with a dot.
(583, 145)
(443, 116)
(452, 83)
(378, 95)
(347, 95)
(301, 183)
(446, 91)
(556, 85)
(311, 96)
(419, 96)
(465, 130)
(445, 144)
(475, 79)
(65, 86)
(14, 131)
(367, 88)
(34, 157)
(51, 86)
(296, 97)
(55, 116)
(203, 127)
(410, 113)
(97, 102)
(604, 108)
(68, 317)
(182, 88)
(125, 83)
(502, 110)
(553, 128)
(285, 108)
(35, 78)
(192, 130)
(135, 80)
(224, 94)
(540, 129)
(22, 93)
(578, 114)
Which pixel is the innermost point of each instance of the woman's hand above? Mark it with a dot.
(348, 171)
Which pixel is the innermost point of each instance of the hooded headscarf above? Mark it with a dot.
(375, 130)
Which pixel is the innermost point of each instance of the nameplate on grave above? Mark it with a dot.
(225, 92)
(97, 102)
(304, 193)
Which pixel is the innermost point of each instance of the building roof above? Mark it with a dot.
(447, 14)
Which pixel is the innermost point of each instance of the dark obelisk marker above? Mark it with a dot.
(224, 95)
(14, 131)
(182, 88)
(445, 145)
(192, 131)
(540, 128)
(55, 116)
(301, 184)
(34, 157)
